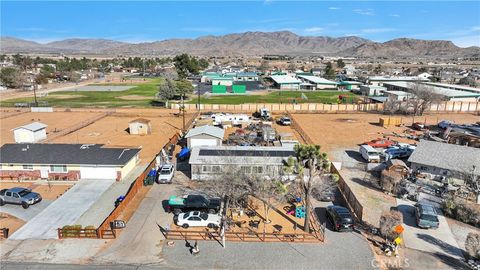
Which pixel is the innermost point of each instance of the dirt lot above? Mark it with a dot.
(10, 222)
(112, 131)
(333, 131)
(56, 121)
(51, 192)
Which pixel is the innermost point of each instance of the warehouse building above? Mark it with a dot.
(286, 82)
(316, 83)
(448, 94)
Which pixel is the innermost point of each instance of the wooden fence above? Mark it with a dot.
(4, 233)
(298, 128)
(442, 107)
(352, 201)
(77, 233)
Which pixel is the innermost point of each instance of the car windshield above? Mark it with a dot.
(372, 153)
(165, 171)
(430, 218)
(24, 192)
(204, 216)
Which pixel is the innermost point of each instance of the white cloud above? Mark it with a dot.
(353, 35)
(475, 28)
(313, 30)
(467, 41)
(377, 30)
(394, 15)
(364, 11)
(334, 8)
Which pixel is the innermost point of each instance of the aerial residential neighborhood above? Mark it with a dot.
(239, 135)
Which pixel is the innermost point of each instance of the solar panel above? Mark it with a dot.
(247, 153)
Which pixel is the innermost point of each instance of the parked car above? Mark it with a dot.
(445, 124)
(197, 219)
(165, 174)
(189, 203)
(285, 121)
(380, 143)
(426, 216)
(399, 151)
(418, 126)
(369, 153)
(340, 218)
(22, 196)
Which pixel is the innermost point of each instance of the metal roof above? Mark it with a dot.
(65, 154)
(209, 130)
(284, 79)
(317, 80)
(240, 155)
(452, 157)
(439, 90)
(394, 79)
(456, 87)
(32, 126)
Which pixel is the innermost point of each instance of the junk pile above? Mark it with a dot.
(257, 134)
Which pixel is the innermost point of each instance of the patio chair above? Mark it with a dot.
(254, 223)
(277, 228)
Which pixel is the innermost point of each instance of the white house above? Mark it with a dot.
(31, 133)
(205, 136)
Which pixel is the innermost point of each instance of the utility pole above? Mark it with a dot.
(183, 111)
(198, 102)
(35, 92)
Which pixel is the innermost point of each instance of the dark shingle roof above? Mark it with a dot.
(67, 154)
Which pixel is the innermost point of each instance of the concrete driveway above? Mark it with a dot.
(63, 211)
(435, 241)
(25, 214)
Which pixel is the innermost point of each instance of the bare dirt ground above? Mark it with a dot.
(10, 222)
(333, 131)
(112, 131)
(56, 121)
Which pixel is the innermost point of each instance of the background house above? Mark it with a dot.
(66, 161)
(30, 133)
(140, 126)
(205, 136)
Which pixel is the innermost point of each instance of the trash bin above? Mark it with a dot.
(150, 177)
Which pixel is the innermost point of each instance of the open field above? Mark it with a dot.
(334, 131)
(276, 97)
(57, 122)
(112, 131)
(108, 99)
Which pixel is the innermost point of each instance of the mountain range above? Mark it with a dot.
(248, 44)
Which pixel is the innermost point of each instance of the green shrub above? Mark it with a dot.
(463, 211)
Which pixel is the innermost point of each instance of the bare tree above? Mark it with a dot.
(424, 97)
(268, 191)
(392, 105)
(388, 222)
(472, 245)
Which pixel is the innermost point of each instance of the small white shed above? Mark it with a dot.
(205, 136)
(140, 126)
(31, 133)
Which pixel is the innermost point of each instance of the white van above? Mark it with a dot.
(369, 153)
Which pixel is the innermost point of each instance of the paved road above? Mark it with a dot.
(141, 241)
(437, 241)
(45, 266)
(63, 211)
(25, 214)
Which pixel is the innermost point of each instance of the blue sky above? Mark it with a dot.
(150, 21)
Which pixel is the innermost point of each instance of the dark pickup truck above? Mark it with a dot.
(188, 203)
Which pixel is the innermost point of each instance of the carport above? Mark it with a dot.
(64, 211)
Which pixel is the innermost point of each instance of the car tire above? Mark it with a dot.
(211, 226)
(185, 226)
(177, 212)
(25, 205)
(2, 202)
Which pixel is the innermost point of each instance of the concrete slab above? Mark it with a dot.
(64, 211)
(435, 241)
(25, 214)
(105, 204)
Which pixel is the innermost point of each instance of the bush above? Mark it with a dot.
(463, 211)
(472, 245)
(91, 231)
(388, 222)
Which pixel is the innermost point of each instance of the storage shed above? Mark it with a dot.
(30, 133)
(140, 126)
(205, 136)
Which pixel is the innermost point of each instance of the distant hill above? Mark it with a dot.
(249, 43)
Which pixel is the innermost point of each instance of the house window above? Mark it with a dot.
(246, 169)
(205, 168)
(58, 168)
(28, 167)
(257, 169)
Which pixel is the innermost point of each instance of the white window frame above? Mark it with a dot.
(53, 168)
(28, 167)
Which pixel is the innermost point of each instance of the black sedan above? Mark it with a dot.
(340, 218)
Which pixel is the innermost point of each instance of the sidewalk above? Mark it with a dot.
(99, 211)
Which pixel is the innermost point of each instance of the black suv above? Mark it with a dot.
(340, 218)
